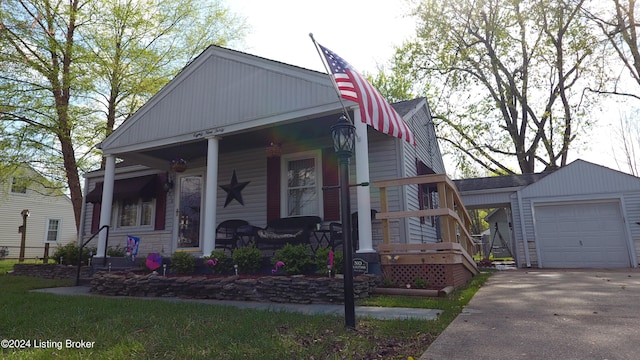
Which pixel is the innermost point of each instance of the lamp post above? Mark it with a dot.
(23, 231)
(343, 134)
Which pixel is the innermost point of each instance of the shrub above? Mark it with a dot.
(248, 259)
(322, 260)
(421, 283)
(224, 264)
(116, 251)
(296, 258)
(69, 254)
(182, 263)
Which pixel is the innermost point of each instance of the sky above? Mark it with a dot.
(360, 32)
(364, 33)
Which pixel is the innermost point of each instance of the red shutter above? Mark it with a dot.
(273, 188)
(330, 177)
(161, 202)
(95, 218)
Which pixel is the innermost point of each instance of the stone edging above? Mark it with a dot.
(50, 271)
(281, 289)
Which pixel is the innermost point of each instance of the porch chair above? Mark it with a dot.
(335, 237)
(226, 236)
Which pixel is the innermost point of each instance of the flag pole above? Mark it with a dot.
(333, 81)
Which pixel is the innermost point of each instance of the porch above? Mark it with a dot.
(445, 263)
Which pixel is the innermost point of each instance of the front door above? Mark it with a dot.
(189, 206)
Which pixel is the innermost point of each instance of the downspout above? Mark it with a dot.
(522, 228)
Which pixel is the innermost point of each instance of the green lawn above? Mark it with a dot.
(151, 329)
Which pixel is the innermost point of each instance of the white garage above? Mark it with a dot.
(581, 215)
(581, 235)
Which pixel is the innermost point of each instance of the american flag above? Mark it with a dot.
(374, 109)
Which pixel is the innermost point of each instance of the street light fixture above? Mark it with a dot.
(343, 134)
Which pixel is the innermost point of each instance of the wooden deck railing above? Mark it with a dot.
(455, 222)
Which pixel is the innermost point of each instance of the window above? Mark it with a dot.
(53, 230)
(301, 189)
(135, 212)
(18, 186)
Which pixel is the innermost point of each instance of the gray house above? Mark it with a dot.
(236, 136)
(582, 215)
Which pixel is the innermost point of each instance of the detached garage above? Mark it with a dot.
(582, 215)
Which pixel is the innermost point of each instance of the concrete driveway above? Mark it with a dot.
(548, 314)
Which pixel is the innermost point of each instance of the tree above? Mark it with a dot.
(64, 62)
(617, 21)
(506, 78)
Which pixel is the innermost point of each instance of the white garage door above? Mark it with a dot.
(581, 235)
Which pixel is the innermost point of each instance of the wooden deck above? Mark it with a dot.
(446, 263)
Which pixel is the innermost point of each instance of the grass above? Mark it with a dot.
(7, 264)
(152, 329)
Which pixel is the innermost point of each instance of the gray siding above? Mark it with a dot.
(427, 150)
(383, 164)
(631, 202)
(224, 88)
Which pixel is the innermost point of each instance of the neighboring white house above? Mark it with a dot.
(50, 219)
(582, 215)
(262, 129)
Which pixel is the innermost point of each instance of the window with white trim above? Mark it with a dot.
(301, 184)
(53, 230)
(135, 213)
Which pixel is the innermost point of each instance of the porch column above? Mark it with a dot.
(107, 202)
(211, 194)
(365, 243)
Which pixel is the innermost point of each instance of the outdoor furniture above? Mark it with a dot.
(336, 239)
(226, 234)
(290, 230)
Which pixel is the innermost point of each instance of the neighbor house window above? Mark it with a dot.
(301, 184)
(135, 212)
(18, 186)
(53, 230)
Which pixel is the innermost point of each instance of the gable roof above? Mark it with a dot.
(582, 178)
(225, 91)
(498, 182)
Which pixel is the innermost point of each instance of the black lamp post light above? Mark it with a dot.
(343, 134)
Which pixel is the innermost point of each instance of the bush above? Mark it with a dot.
(69, 254)
(322, 260)
(248, 259)
(224, 264)
(296, 258)
(182, 263)
(117, 251)
(421, 283)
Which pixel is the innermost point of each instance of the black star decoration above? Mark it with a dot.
(234, 190)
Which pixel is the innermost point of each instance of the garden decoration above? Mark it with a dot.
(154, 261)
(132, 246)
(212, 262)
(279, 264)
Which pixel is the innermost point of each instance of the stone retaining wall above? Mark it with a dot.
(283, 289)
(50, 271)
